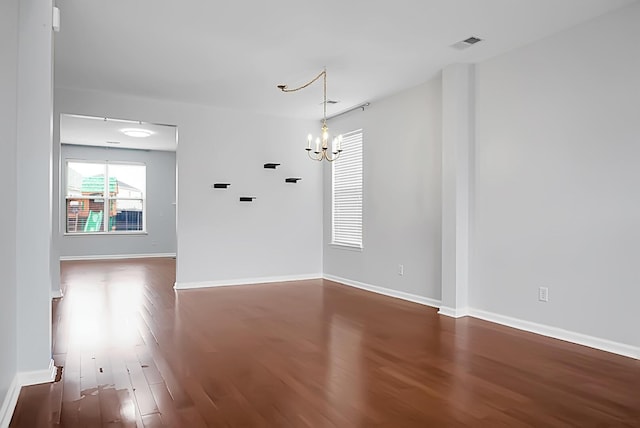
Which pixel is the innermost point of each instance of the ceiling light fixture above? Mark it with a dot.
(321, 150)
(136, 132)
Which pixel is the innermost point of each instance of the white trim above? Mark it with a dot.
(244, 281)
(544, 330)
(56, 294)
(114, 232)
(452, 312)
(9, 403)
(116, 256)
(558, 333)
(385, 291)
(19, 380)
(346, 247)
(38, 376)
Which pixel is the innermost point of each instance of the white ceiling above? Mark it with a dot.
(234, 53)
(107, 132)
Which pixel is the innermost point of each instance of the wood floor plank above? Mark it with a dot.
(166, 405)
(137, 353)
(34, 407)
(89, 408)
(144, 399)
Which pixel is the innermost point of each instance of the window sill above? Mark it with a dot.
(123, 233)
(345, 247)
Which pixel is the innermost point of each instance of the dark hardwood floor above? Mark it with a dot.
(304, 354)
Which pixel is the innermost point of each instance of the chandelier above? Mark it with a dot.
(321, 149)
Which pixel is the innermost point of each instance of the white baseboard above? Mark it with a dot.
(453, 313)
(116, 256)
(558, 333)
(23, 379)
(9, 403)
(244, 281)
(37, 376)
(385, 291)
(541, 329)
(56, 294)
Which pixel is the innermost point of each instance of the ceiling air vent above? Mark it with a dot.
(466, 43)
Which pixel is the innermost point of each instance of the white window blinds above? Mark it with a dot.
(347, 192)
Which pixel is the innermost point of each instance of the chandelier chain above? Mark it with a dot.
(323, 74)
(322, 150)
(284, 88)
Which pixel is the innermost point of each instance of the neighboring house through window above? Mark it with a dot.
(105, 197)
(347, 192)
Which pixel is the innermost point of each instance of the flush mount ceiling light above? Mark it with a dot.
(322, 150)
(136, 132)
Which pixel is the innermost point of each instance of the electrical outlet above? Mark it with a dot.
(543, 294)
(400, 270)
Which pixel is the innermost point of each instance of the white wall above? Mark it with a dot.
(402, 194)
(34, 159)
(160, 209)
(555, 182)
(8, 117)
(558, 169)
(219, 238)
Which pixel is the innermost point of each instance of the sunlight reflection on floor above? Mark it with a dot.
(105, 310)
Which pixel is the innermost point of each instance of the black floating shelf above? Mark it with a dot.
(221, 185)
(247, 198)
(271, 165)
(292, 180)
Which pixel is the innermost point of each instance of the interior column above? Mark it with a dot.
(457, 153)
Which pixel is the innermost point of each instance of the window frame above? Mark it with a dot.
(340, 242)
(107, 198)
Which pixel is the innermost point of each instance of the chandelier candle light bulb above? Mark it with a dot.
(337, 144)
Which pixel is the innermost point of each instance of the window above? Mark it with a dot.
(98, 205)
(347, 192)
